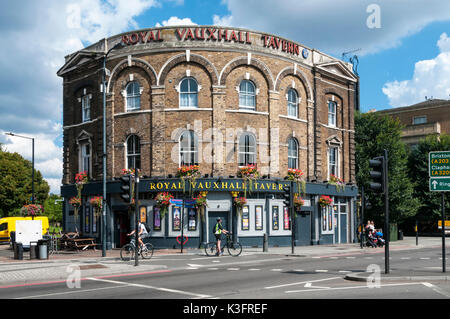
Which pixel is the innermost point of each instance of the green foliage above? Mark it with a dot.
(53, 208)
(430, 202)
(373, 134)
(15, 184)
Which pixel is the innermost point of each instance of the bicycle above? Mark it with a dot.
(233, 248)
(128, 250)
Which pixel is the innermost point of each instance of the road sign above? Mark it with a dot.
(440, 184)
(439, 164)
(447, 224)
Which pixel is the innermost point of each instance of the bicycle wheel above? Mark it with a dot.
(211, 249)
(147, 253)
(234, 249)
(127, 252)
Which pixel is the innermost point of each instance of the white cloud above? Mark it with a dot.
(36, 37)
(175, 21)
(336, 26)
(431, 78)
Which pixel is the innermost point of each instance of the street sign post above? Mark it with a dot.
(440, 184)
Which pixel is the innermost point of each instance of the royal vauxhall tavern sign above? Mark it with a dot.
(218, 35)
(439, 169)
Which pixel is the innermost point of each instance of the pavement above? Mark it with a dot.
(64, 265)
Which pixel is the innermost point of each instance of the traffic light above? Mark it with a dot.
(126, 188)
(287, 196)
(376, 173)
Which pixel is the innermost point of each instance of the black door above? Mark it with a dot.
(303, 226)
(212, 220)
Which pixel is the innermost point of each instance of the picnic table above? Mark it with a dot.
(80, 243)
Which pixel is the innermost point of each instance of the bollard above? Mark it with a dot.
(265, 243)
(43, 249)
(19, 248)
(15, 249)
(33, 245)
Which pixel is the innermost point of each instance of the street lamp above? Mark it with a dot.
(118, 45)
(32, 161)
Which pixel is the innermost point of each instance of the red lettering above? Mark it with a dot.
(265, 40)
(134, 38)
(151, 37)
(125, 39)
(143, 36)
(200, 37)
(189, 34)
(158, 36)
(211, 34)
(285, 45)
(224, 34)
(296, 49)
(233, 36)
(180, 35)
(240, 37)
(247, 38)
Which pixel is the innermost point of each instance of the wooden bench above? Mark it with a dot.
(81, 243)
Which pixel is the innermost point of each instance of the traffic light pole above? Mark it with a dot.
(292, 211)
(363, 205)
(386, 214)
(136, 214)
(443, 232)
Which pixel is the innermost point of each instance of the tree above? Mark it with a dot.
(16, 184)
(373, 134)
(430, 202)
(53, 208)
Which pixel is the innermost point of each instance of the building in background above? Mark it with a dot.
(220, 98)
(430, 117)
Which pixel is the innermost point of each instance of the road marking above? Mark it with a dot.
(309, 285)
(233, 269)
(276, 269)
(321, 270)
(350, 257)
(213, 268)
(254, 269)
(406, 258)
(425, 258)
(436, 289)
(151, 287)
(301, 282)
(345, 271)
(69, 292)
(354, 287)
(299, 270)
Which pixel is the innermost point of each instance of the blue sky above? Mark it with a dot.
(404, 56)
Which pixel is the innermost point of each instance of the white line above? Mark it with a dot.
(233, 269)
(254, 269)
(425, 258)
(73, 291)
(301, 282)
(355, 287)
(436, 289)
(276, 269)
(321, 270)
(151, 287)
(213, 268)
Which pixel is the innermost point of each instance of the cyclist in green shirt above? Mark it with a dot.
(218, 231)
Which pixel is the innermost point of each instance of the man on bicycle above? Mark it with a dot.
(218, 231)
(142, 234)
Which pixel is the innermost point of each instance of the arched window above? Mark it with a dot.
(247, 149)
(133, 96)
(292, 153)
(188, 148)
(247, 95)
(133, 152)
(292, 103)
(188, 92)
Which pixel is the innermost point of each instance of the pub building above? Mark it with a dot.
(245, 111)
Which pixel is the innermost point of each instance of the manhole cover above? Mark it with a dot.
(97, 266)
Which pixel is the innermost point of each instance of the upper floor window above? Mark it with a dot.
(86, 108)
(247, 95)
(133, 152)
(292, 103)
(332, 105)
(333, 161)
(188, 149)
(419, 120)
(85, 158)
(292, 153)
(247, 150)
(188, 92)
(133, 96)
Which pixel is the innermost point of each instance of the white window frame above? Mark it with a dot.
(332, 114)
(419, 117)
(134, 96)
(189, 93)
(246, 95)
(85, 157)
(86, 107)
(292, 105)
(336, 164)
(290, 154)
(246, 152)
(133, 155)
(192, 151)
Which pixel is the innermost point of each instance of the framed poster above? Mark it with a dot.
(275, 218)
(287, 223)
(245, 221)
(143, 214)
(258, 218)
(156, 219)
(87, 218)
(192, 219)
(176, 218)
(94, 223)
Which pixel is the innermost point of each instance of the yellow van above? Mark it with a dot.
(8, 224)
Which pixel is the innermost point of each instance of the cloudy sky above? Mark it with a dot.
(403, 48)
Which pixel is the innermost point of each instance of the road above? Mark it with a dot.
(253, 276)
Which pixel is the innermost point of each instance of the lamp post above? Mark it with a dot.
(32, 161)
(118, 45)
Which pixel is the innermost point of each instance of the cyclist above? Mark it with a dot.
(218, 231)
(141, 235)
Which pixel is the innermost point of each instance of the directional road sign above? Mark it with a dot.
(439, 164)
(440, 184)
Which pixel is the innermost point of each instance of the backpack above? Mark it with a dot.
(147, 227)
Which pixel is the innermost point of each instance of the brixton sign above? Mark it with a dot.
(439, 164)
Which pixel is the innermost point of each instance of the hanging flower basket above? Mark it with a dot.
(31, 210)
(75, 202)
(298, 202)
(97, 204)
(296, 175)
(190, 173)
(240, 202)
(336, 181)
(128, 171)
(163, 202)
(81, 178)
(200, 204)
(325, 201)
(250, 174)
